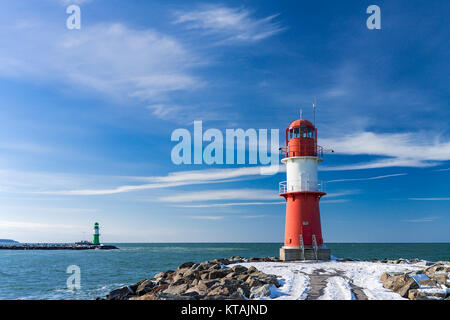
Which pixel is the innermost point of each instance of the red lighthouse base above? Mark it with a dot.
(303, 234)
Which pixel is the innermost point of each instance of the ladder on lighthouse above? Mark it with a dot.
(302, 247)
(314, 241)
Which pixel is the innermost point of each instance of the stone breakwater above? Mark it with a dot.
(209, 280)
(430, 283)
(238, 278)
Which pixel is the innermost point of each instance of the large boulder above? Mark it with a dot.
(145, 287)
(239, 269)
(254, 281)
(120, 294)
(186, 265)
(418, 294)
(428, 283)
(221, 290)
(385, 276)
(242, 277)
(231, 283)
(163, 275)
(215, 274)
(176, 289)
(252, 269)
(441, 277)
(260, 292)
(400, 284)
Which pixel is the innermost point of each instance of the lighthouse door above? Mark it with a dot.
(307, 235)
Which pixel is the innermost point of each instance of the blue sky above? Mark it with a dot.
(86, 117)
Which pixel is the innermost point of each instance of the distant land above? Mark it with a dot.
(7, 241)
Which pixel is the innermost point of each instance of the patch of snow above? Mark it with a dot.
(338, 289)
(295, 283)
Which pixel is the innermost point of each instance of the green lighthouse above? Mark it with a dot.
(96, 234)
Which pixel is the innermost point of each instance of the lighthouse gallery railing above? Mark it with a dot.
(302, 185)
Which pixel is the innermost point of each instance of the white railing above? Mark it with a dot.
(301, 185)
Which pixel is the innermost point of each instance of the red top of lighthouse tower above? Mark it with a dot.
(301, 140)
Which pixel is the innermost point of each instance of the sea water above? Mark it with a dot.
(41, 274)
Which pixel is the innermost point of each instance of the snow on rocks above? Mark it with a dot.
(240, 278)
(209, 280)
(430, 283)
(295, 278)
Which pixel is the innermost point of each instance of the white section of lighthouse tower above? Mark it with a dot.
(301, 173)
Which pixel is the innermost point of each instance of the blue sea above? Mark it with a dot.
(42, 274)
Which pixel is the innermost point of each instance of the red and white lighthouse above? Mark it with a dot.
(302, 191)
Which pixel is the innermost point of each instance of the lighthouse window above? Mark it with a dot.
(304, 131)
(291, 133)
(296, 133)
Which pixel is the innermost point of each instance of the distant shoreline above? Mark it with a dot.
(47, 246)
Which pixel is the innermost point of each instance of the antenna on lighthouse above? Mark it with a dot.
(314, 109)
(301, 111)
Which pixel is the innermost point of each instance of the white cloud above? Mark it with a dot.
(229, 204)
(235, 194)
(27, 225)
(242, 194)
(253, 217)
(369, 178)
(110, 58)
(230, 24)
(206, 217)
(183, 113)
(429, 199)
(175, 179)
(225, 194)
(335, 201)
(425, 219)
(418, 149)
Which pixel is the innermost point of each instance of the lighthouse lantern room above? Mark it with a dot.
(302, 191)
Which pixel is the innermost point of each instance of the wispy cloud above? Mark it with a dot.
(230, 204)
(254, 216)
(230, 24)
(429, 199)
(110, 58)
(226, 194)
(369, 178)
(239, 194)
(399, 149)
(425, 219)
(175, 179)
(206, 217)
(27, 225)
(335, 201)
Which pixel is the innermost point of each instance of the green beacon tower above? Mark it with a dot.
(96, 234)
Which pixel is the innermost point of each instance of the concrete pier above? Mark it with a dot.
(296, 253)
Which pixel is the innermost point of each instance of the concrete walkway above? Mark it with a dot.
(318, 283)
